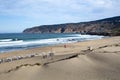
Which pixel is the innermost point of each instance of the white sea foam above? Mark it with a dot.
(21, 43)
(5, 40)
(35, 42)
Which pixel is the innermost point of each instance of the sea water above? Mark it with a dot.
(18, 41)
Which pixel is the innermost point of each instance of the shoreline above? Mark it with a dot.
(53, 45)
(11, 44)
(50, 45)
(50, 48)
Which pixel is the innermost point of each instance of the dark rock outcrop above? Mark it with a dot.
(108, 26)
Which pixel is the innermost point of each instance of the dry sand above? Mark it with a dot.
(103, 63)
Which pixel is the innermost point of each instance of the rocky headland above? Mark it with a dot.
(107, 27)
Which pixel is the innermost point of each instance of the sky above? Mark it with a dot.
(17, 15)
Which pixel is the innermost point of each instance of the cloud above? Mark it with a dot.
(101, 3)
(72, 9)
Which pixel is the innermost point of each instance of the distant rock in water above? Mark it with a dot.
(107, 27)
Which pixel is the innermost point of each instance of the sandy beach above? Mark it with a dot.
(100, 63)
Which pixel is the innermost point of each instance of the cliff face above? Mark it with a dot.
(108, 26)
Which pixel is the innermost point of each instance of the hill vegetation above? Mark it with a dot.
(107, 27)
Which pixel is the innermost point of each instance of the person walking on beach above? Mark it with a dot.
(90, 48)
(65, 46)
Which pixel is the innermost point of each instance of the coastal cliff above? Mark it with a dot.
(107, 27)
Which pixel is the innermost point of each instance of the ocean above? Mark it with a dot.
(19, 41)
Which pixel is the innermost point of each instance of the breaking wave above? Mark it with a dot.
(10, 44)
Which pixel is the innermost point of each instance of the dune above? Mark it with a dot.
(103, 63)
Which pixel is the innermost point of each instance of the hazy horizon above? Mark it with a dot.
(15, 16)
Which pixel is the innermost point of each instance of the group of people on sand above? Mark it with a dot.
(43, 56)
(49, 55)
(9, 59)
